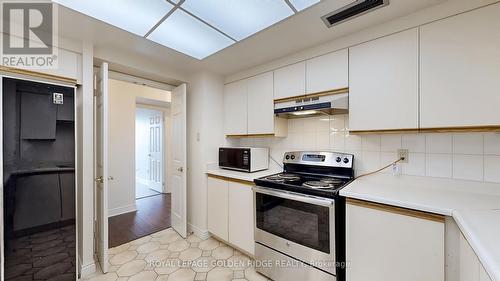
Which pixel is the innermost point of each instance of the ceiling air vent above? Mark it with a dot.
(353, 10)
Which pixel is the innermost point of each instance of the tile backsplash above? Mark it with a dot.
(468, 156)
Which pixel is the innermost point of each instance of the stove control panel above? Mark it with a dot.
(319, 158)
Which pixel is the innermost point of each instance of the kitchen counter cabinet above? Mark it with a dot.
(386, 243)
(236, 108)
(231, 212)
(38, 117)
(327, 72)
(383, 83)
(218, 207)
(460, 70)
(290, 81)
(260, 104)
(241, 216)
(470, 267)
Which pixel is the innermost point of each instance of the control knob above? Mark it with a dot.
(346, 160)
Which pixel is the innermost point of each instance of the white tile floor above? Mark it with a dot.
(166, 256)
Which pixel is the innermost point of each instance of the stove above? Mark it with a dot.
(314, 173)
(300, 216)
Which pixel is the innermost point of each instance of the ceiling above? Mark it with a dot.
(196, 28)
(303, 30)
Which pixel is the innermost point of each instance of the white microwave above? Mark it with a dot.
(244, 159)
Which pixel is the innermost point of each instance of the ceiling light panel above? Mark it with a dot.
(302, 4)
(186, 34)
(239, 18)
(131, 15)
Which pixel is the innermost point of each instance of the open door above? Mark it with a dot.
(101, 167)
(179, 156)
(155, 154)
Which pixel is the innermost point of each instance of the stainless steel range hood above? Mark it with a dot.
(313, 105)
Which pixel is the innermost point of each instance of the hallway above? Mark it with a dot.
(152, 215)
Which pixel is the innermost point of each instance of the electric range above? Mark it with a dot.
(300, 217)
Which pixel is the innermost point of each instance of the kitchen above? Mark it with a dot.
(367, 148)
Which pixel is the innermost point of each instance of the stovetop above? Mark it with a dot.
(317, 185)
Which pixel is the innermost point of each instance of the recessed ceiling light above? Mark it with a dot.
(239, 18)
(131, 15)
(190, 36)
(302, 4)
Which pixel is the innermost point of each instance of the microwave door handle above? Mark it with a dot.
(295, 197)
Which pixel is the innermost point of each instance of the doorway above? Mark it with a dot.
(149, 152)
(38, 166)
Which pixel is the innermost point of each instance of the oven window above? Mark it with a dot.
(302, 223)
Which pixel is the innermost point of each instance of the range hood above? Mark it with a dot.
(313, 105)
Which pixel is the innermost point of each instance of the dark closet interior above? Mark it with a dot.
(39, 181)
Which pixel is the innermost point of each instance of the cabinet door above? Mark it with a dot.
(290, 81)
(241, 216)
(260, 104)
(217, 207)
(235, 108)
(469, 263)
(327, 72)
(460, 70)
(390, 246)
(383, 83)
(483, 276)
(38, 116)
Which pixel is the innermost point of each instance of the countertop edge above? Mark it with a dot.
(396, 203)
(479, 250)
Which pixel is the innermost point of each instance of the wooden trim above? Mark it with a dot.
(314, 95)
(492, 128)
(230, 179)
(396, 210)
(38, 74)
(250, 135)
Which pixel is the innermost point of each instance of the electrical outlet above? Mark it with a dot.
(403, 153)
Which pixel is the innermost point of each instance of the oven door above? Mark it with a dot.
(296, 225)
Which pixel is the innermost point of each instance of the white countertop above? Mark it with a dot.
(215, 170)
(481, 228)
(475, 207)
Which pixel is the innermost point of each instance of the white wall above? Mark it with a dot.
(468, 156)
(205, 134)
(122, 107)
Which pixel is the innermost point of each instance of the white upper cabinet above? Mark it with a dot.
(260, 104)
(235, 108)
(460, 70)
(327, 72)
(383, 83)
(290, 81)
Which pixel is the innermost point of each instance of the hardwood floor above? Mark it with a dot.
(153, 215)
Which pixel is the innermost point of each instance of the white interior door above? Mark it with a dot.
(155, 153)
(101, 165)
(179, 155)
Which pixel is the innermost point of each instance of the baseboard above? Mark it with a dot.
(202, 234)
(87, 270)
(122, 210)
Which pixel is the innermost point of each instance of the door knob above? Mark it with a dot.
(180, 169)
(99, 179)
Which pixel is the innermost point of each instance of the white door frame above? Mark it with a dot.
(76, 122)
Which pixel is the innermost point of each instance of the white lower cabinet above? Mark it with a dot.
(470, 267)
(217, 196)
(241, 218)
(230, 212)
(393, 244)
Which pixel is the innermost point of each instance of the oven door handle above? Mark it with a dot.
(295, 196)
